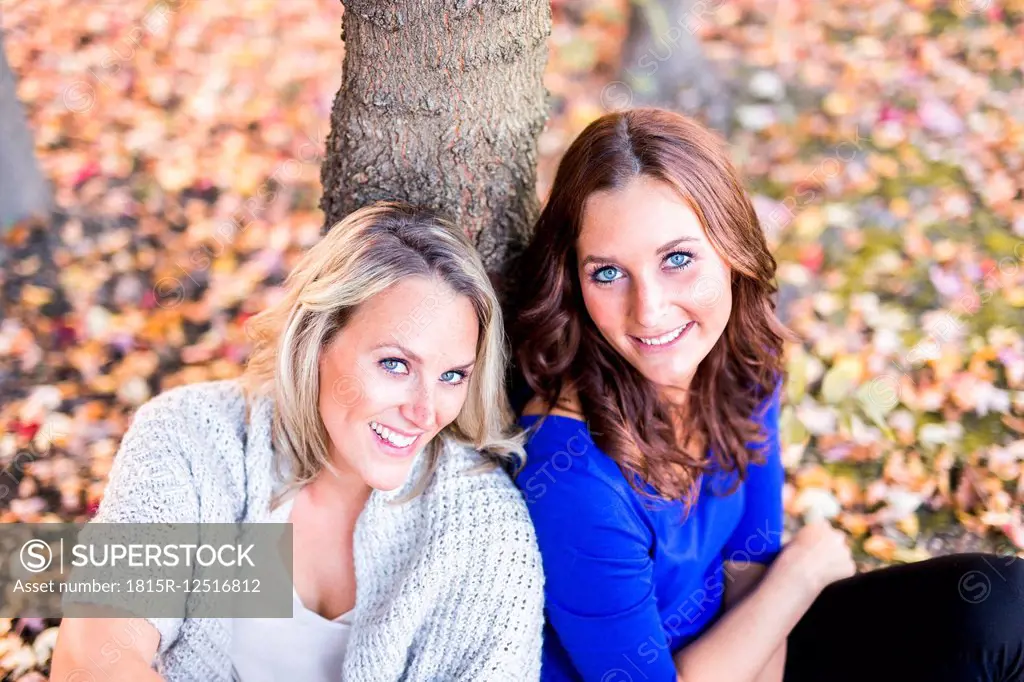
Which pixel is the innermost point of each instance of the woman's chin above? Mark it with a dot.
(386, 487)
(388, 475)
(674, 372)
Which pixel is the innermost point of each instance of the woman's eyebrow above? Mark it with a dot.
(674, 243)
(661, 249)
(412, 356)
(416, 358)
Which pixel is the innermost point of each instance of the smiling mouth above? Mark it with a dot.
(392, 437)
(663, 339)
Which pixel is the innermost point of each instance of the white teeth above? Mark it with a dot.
(664, 338)
(392, 437)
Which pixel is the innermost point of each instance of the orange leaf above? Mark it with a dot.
(880, 547)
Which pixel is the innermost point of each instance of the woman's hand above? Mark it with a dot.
(746, 640)
(817, 556)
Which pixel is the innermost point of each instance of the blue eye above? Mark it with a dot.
(459, 377)
(605, 275)
(679, 259)
(392, 365)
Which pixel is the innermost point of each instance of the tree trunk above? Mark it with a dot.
(663, 64)
(24, 192)
(441, 105)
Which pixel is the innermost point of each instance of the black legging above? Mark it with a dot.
(955, 618)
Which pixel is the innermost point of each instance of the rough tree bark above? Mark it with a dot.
(441, 105)
(24, 191)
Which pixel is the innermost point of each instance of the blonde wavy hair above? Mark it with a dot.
(370, 250)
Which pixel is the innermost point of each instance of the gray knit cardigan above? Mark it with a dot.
(449, 585)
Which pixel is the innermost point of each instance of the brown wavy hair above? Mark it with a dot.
(557, 345)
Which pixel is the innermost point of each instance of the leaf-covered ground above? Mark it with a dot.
(883, 143)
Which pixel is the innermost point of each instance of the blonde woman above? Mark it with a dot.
(372, 416)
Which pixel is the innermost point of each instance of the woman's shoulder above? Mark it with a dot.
(571, 487)
(560, 448)
(222, 395)
(197, 403)
(188, 423)
(464, 472)
(477, 505)
(164, 458)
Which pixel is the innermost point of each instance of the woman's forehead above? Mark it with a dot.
(641, 217)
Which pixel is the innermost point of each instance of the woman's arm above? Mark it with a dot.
(487, 585)
(501, 605)
(757, 539)
(150, 482)
(115, 649)
(762, 605)
(775, 670)
(742, 578)
(745, 640)
(599, 574)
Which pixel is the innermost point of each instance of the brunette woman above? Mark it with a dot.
(647, 334)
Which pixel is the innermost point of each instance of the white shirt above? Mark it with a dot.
(306, 647)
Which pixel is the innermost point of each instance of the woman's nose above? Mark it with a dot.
(648, 303)
(420, 408)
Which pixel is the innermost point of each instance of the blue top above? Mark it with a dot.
(627, 584)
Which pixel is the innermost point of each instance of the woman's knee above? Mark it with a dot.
(991, 588)
(983, 577)
(1014, 569)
